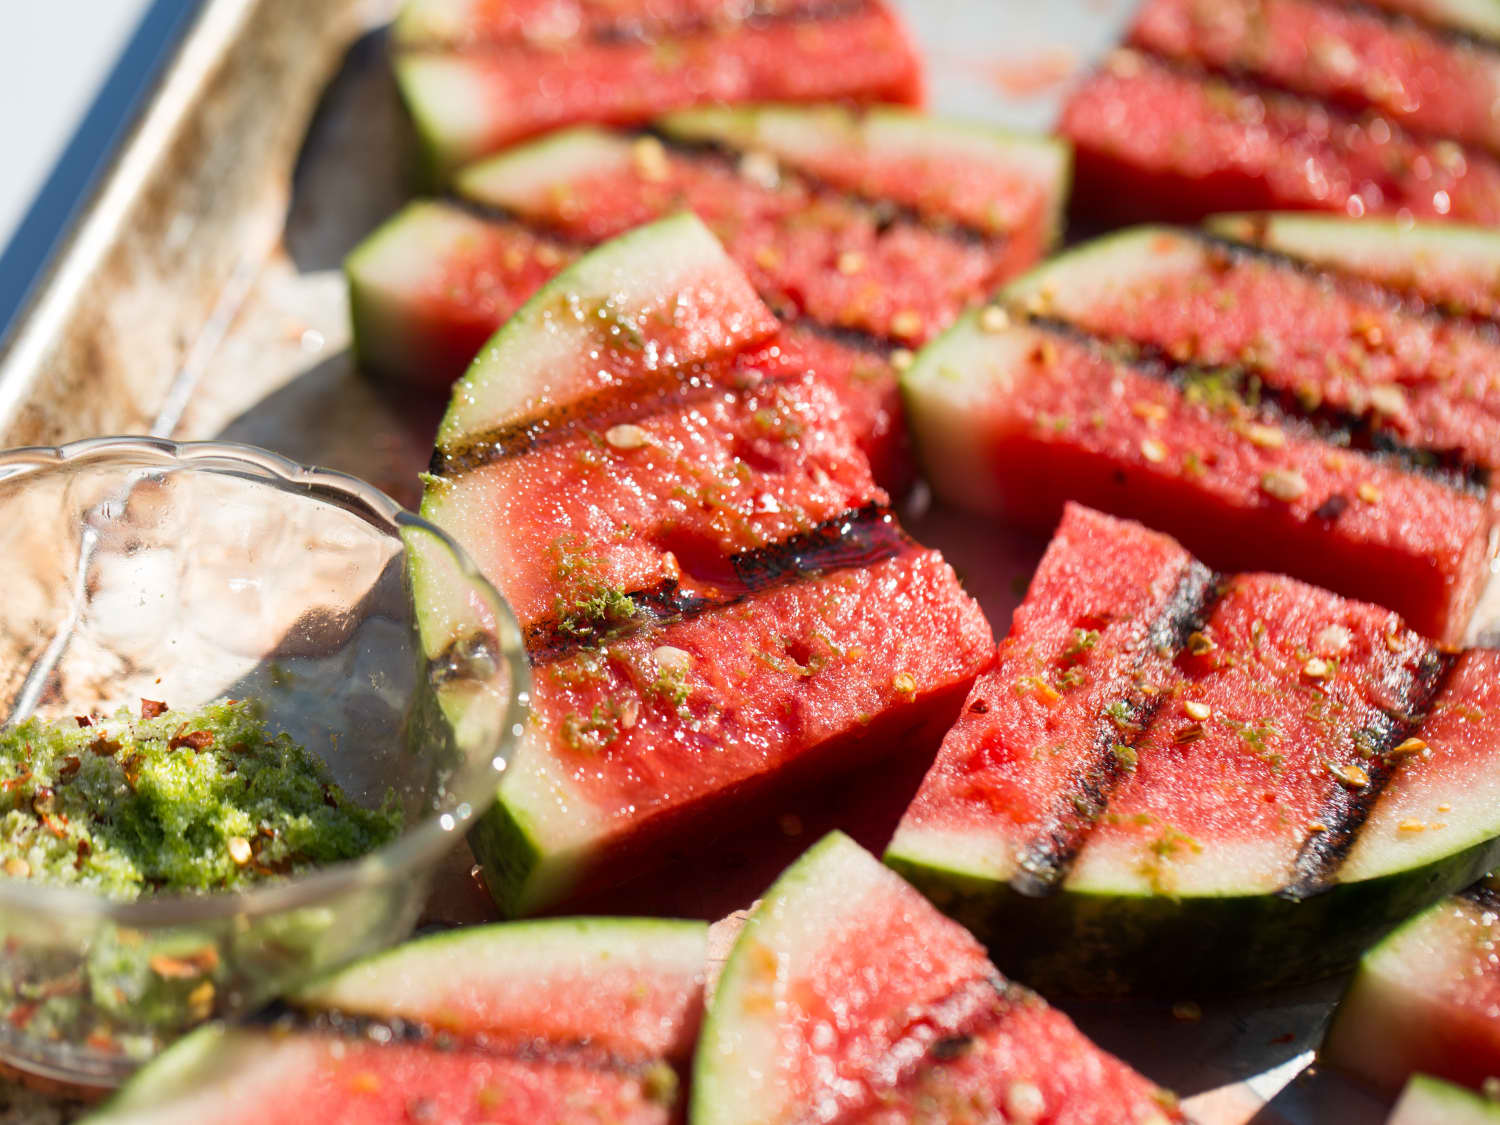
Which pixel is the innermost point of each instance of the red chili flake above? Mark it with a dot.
(151, 708)
(70, 766)
(105, 747)
(196, 740)
(85, 849)
(21, 1015)
(57, 825)
(83, 720)
(12, 784)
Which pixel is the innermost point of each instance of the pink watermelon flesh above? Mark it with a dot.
(1425, 1000)
(1424, 80)
(1152, 141)
(544, 22)
(1260, 755)
(1428, 381)
(786, 686)
(1193, 459)
(811, 252)
(658, 495)
(849, 992)
(859, 53)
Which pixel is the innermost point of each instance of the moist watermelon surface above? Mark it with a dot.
(1153, 140)
(1449, 267)
(1015, 417)
(868, 232)
(474, 85)
(1358, 60)
(1424, 1000)
(1168, 775)
(1428, 1101)
(524, 1023)
(717, 603)
(847, 994)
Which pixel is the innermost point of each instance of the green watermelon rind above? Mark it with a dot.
(709, 1104)
(435, 88)
(176, 1070)
(524, 177)
(1097, 943)
(1041, 158)
(1431, 1101)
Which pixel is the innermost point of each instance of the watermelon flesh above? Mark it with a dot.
(1155, 141)
(1424, 80)
(849, 994)
(469, 103)
(1425, 382)
(718, 605)
(519, 1024)
(1451, 268)
(1018, 418)
(1260, 734)
(1424, 1000)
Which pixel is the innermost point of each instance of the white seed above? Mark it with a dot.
(851, 262)
(1332, 641)
(650, 159)
(239, 850)
(1388, 398)
(907, 324)
(1024, 1102)
(1283, 484)
(994, 319)
(1317, 669)
(674, 661)
(1197, 710)
(1266, 437)
(1153, 451)
(626, 436)
(903, 358)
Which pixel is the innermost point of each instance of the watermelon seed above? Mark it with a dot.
(649, 156)
(1153, 451)
(1317, 669)
(1351, 775)
(1388, 399)
(1410, 746)
(1264, 437)
(239, 850)
(994, 319)
(1368, 493)
(907, 324)
(1284, 484)
(1197, 710)
(1198, 644)
(626, 436)
(17, 868)
(1024, 1102)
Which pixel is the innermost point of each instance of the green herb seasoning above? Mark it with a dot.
(172, 802)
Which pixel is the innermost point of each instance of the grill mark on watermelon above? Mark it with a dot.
(1260, 86)
(1341, 429)
(886, 212)
(628, 32)
(856, 539)
(1346, 809)
(669, 388)
(282, 1018)
(1045, 862)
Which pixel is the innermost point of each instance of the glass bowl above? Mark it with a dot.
(142, 569)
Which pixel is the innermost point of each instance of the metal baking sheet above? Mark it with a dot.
(200, 296)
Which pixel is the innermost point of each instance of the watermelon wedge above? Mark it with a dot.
(1155, 140)
(1426, 80)
(478, 77)
(1449, 267)
(523, 1023)
(1423, 1000)
(847, 998)
(718, 606)
(872, 233)
(1169, 774)
(1419, 381)
(1427, 1101)
(1015, 416)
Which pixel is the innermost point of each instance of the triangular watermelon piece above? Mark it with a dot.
(500, 1024)
(1171, 775)
(848, 998)
(718, 604)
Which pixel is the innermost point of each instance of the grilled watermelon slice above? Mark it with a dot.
(1449, 267)
(1169, 772)
(849, 996)
(522, 1023)
(879, 259)
(1015, 417)
(733, 610)
(1427, 1101)
(1428, 81)
(1156, 141)
(481, 77)
(1423, 1000)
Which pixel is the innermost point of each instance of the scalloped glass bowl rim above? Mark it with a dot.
(420, 844)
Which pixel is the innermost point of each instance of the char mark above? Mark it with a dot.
(647, 32)
(1342, 428)
(1347, 808)
(1045, 862)
(856, 539)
